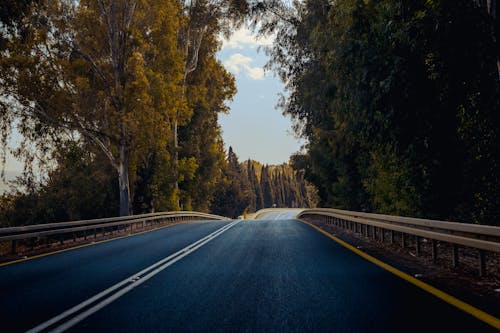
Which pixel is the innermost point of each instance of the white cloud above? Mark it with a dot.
(255, 73)
(238, 62)
(245, 37)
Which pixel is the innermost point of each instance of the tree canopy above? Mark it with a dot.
(248, 186)
(399, 102)
(119, 77)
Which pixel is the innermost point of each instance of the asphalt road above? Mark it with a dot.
(250, 276)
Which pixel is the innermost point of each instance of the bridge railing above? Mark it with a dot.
(60, 232)
(377, 226)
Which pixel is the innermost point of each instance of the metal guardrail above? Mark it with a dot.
(480, 237)
(33, 232)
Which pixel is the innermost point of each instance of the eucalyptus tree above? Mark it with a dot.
(104, 71)
(203, 19)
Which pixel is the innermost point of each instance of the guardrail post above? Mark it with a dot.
(14, 246)
(417, 245)
(482, 263)
(434, 250)
(455, 255)
(403, 240)
(382, 234)
(374, 232)
(391, 236)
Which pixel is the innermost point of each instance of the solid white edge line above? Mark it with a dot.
(129, 279)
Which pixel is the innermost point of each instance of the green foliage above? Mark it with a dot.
(250, 186)
(105, 73)
(387, 182)
(208, 89)
(233, 194)
(13, 11)
(119, 81)
(399, 102)
(80, 188)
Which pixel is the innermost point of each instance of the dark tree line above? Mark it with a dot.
(399, 101)
(250, 186)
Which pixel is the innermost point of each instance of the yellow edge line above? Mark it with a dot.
(86, 245)
(479, 314)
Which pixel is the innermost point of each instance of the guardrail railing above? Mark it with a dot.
(62, 231)
(483, 238)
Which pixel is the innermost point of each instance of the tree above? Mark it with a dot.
(208, 88)
(81, 187)
(233, 195)
(12, 12)
(204, 20)
(253, 178)
(395, 120)
(105, 72)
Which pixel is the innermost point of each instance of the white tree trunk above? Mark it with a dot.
(123, 182)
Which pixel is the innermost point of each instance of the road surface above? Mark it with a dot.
(241, 276)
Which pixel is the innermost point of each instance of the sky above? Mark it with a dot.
(254, 127)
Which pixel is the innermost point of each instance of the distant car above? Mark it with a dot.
(240, 217)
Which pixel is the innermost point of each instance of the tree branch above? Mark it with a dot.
(88, 133)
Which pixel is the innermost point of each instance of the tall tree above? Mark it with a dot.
(204, 19)
(200, 140)
(233, 195)
(100, 70)
(398, 101)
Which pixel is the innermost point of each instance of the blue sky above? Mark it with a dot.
(255, 128)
